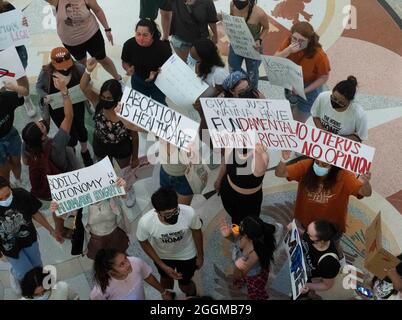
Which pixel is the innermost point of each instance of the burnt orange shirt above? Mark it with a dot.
(331, 205)
(314, 67)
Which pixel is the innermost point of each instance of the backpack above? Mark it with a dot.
(39, 168)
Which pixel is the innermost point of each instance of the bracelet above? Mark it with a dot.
(87, 71)
(65, 95)
(108, 29)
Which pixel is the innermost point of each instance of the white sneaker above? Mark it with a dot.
(29, 107)
(131, 200)
(14, 284)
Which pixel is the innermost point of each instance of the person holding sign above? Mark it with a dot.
(238, 85)
(240, 181)
(252, 254)
(323, 191)
(63, 66)
(337, 112)
(304, 49)
(143, 56)
(111, 137)
(257, 22)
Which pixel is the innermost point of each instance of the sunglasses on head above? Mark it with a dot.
(64, 57)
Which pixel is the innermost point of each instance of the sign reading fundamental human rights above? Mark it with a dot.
(284, 73)
(157, 118)
(233, 123)
(11, 68)
(12, 31)
(80, 188)
(240, 37)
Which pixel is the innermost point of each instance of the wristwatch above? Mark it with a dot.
(108, 30)
(64, 95)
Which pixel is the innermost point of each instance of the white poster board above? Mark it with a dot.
(12, 32)
(240, 36)
(80, 188)
(75, 93)
(178, 82)
(269, 119)
(284, 73)
(11, 68)
(297, 266)
(157, 118)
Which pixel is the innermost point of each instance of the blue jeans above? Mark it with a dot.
(10, 145)
(148, 88)
(252, 66)
(179, 184)
(28, 258)
(303, 105)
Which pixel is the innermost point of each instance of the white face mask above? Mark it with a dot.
(7, 202)
(320, 171)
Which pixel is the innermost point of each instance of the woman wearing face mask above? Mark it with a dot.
(252, 255)
(118, 277)
(304, 49)
(237, 85)
(111, 137)
(142, 57)
(323, 191)
(32, 287)
(338, 113)
(257, 22)
(63, 66)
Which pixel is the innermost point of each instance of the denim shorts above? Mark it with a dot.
(180, 44)
(303, 105)
(10, 145)
(179, 184)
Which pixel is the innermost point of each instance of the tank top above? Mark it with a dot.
(240, 173)
(101, 219)
(237, 254)
(109, 132)
(76, 23)
(175, 169)
(255, 30)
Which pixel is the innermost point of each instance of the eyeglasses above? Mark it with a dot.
(170, 214)
(62, 57)
(341, 104)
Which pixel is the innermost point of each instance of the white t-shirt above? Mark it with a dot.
(215, 78)
(131, 288)
(352, 120)
(172, 242)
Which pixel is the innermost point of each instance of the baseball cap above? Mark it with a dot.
(61, 58)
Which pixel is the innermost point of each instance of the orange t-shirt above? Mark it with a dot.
(314, 67)
(330, 205)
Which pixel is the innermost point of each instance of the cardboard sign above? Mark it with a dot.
(284, 73)
(297, 266)
(11, 68)
(240, 37)
(243, 119)
(157, 118)
(377, 258)
(12, 32)
(80, 188)
(333, 149)
(178, 82)
(75, 93)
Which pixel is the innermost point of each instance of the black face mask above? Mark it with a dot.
(248, 94)
(172, 219)
(105, 104)
(64, 72)
(240, 4)
(336, 105)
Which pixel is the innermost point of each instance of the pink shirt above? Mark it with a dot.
(131, 288)
(76, 24)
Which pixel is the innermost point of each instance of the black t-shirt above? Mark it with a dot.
(146, 59)
(9, 101)
(17, 230)
(190, 22)
(328, 267)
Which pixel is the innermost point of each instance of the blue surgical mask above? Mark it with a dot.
(7, 202)
(191, 62)
(320, 171)
(44, 296)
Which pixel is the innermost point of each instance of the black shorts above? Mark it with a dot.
(185, 267)
(94, 46)
(120, 150)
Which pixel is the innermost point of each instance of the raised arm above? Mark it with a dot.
(68, 106)
(281, 170)
(260, 161)
(85, 86)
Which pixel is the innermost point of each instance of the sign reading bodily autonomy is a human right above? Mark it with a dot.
(157, 118)
(80, 188)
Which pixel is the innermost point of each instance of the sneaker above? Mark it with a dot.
(29, 107)
(14, 283)
(131, 200)
(86, 157)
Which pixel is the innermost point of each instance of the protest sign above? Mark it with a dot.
(333, 149)
(178, 82)
(284, 73)
(157, 118)
(233, 122)
(80, 188)
(12, 32)
(297, 266)
(240, 37)
(377, 258)
(11, 68)
(75, 93)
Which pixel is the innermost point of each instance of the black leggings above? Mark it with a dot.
(78, 130)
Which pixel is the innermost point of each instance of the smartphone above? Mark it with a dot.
(364, 291)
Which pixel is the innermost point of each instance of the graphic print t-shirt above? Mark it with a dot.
(16, 227)
(173, 242)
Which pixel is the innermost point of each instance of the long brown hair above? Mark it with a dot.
(311, 181)
(3, 5)
(306, 30)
